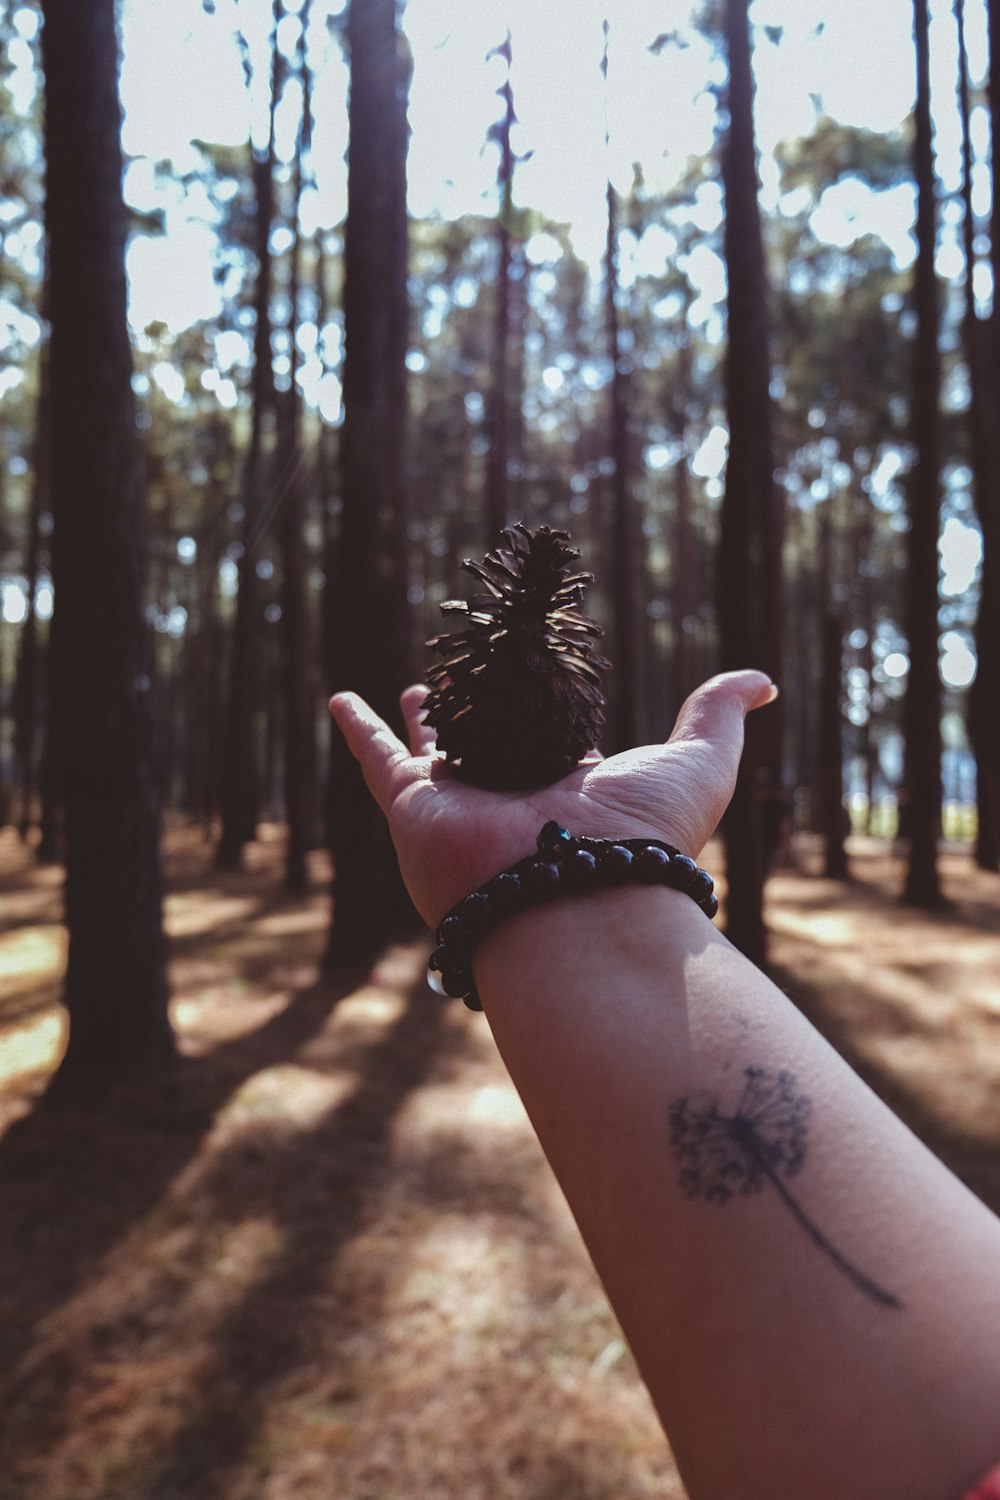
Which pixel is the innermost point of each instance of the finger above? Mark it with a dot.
(715, 712)
(421, 736)
(372, 743)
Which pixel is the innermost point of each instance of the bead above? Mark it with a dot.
(434, 980)
(682, 868)
(473, 911)
(553, 839)
(710, 907)
(472, 999)
(617, 861)
(580, 866)
(438, 958)
(457, 983)
(652, 862)
(504, 887)
(542, 878)
(700, 886)
(451, 928)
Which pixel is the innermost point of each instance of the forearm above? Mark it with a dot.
(833, 1332)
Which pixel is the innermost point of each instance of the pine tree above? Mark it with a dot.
(748, 582)
(368, 633)
(626, 563)
(984, 704)
(922, 707)
(116, 986)
(240, 775)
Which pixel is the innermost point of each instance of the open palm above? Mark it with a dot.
(452, 837)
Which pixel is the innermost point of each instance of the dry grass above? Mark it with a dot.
(328, 1261)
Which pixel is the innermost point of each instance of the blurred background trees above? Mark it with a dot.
(755, 372)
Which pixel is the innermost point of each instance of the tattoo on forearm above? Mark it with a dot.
(762, 1141)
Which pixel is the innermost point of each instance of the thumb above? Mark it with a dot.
(708, 740)
(713, 714)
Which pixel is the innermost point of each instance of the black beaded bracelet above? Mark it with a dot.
(561, 865)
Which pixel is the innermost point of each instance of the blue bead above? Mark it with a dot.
(452, 929)
(553, 838)
(700, 886)
(711, 906)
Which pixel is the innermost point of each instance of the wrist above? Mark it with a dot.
(613, 928)
(562, 865)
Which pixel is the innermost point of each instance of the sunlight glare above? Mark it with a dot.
(958, 661)
(961, 549)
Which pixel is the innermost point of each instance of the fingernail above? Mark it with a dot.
(772, 693)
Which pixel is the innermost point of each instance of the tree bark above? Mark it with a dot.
(984, 698)
(748, 577)
(367, 618)
(499, 416)
(830, 750)
(922, 707)
(298, 719)
(240, 774)
(116, 986)
(682, 552)
(626, 569)
(29, 659)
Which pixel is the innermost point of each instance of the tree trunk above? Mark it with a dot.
(240, 772)
(26, 694)
(682, 554)
(368, 644)
(626, 571)
(830, 750)
(984, 698)
(749, 558)
(993, 91)
(298, 797)
(116, 986)
(499, 417)
(922, 707)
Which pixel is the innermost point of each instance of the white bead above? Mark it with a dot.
(434, 981)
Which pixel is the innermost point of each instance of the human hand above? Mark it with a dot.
(452, 837)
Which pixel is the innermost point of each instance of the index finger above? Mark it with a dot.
(372, 743)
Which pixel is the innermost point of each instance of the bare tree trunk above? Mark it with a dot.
(367, 646)
(749, 561)
(682, 678)
(298, 795)
(240, 776)
(116, 986)
(626, 572)
(26, 694)
(922, 707)
(830, 750)
(984, 699)
(499, 420)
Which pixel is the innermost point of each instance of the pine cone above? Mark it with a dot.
(516, 701)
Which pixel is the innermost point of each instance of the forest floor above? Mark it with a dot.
(328, 1261)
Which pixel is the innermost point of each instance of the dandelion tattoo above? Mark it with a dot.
(762, 1141)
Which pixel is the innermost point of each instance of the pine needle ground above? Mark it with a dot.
(330, 1261)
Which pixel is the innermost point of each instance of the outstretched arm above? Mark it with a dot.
(812, 1298)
